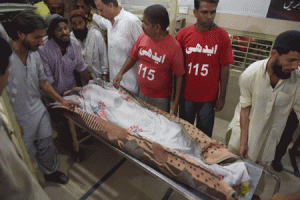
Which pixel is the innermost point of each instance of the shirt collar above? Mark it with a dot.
(119, 16)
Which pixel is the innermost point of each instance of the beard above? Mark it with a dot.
(81, 33)
(62, 43)
(29, 46)
(277, 69)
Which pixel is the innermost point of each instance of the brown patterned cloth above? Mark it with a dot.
(169, 162)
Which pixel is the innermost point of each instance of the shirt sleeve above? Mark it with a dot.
(46, 65)
(136, 30)
(134, 52)
(245, 90)
(178, 62)
(41, 74)
(101, 21)
(226, 57)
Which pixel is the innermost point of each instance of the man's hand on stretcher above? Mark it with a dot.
(242, 152)
(70, 104)
(117, 81)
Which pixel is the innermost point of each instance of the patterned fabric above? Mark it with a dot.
(172, 159)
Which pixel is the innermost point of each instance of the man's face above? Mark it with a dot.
(206, 14)
(103, 9)
(81, 5)
(56, 7)
(79, 27)
(33, 40)
(285, 64)
(148, 27)
(62, 34)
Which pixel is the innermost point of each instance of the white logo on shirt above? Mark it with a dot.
(199, 49)
(153, 57)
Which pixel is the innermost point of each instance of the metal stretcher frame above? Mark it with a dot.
(255, 171)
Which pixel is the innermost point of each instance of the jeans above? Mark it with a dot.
(205, 113)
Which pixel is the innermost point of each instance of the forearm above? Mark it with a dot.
(178, 89)
(293, 196)
(50, 92)
(224, 74)
(244, 124)
(129, 63)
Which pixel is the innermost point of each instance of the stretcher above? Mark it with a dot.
(182, 173)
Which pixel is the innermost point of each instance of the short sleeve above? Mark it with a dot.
(226, 57)
(178, 61)
(135, 48)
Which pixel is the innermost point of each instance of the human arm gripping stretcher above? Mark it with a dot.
(158, 139)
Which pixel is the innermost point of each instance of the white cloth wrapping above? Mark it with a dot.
(120, 38)
(94, 52)
(109, 103)
(270, 108)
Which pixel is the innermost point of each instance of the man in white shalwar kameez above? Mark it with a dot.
(123, 30)
(270, 89)
(92, 44)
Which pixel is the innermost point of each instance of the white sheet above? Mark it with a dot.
(103, 100)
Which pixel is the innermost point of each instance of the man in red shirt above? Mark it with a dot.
(208, 53)
(159, 55)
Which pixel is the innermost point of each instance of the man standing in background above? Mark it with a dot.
(208, 53)
(92, 43)
(123, 30)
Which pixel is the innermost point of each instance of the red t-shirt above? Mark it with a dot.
(158, 59)
(204, 53)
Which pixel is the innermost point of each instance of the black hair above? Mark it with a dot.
(157, 14)
(287, 41)
(115, 2)
(26, 22)
(197, 3)
(87, 2)
(53, 25)
(5, 53)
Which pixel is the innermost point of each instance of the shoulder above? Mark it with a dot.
(186, 30)
(130, 18)
(171, 40)
(254, 69)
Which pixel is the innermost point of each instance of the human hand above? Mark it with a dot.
(242, 152)
(105, 78)
(70, 104)
(220, 104)
(117, 81)
(73, 91)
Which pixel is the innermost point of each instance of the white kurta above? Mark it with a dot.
(121, 37)
(270, 108)
(94, 52)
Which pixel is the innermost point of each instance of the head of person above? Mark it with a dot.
(155, 20)
(205, 12)
(28, 29)
(55, 6)
(286, 53)
(58, 30)
(4, 58)
(85, 5)
(106, 8)
(79, 24)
